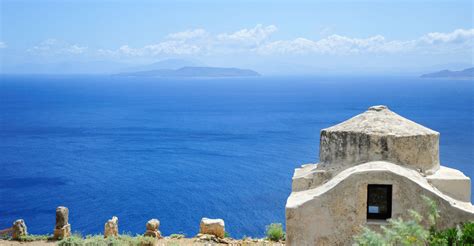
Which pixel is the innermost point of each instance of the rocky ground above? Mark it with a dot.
(165, 242)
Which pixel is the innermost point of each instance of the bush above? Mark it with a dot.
(71, 241)
(177, 236)
(398, 232)
(99, 240)
(275, 232)
(31, 238)
(412, 232)
(468, 233)
(460, 235)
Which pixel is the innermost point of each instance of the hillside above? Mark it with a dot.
(463, 74)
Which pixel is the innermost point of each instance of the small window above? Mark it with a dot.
(379, 201)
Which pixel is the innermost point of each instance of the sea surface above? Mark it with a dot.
(179, 150)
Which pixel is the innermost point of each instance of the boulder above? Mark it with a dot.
(19, 229)
(111, 227)
(152, 228)
(212, 227)
(62, 228)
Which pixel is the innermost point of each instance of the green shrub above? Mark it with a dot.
(369, 238)
(398, 232)
(412, 232)
(99, 240)
(227, 234)
(468, 233)
(275, 232)
(32, 237)
(71, 241)
(138, 240)
(177, 236)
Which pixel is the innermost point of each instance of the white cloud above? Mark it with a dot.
(434, 43)
(56, 47)
(163, 48)
(3, 45)
(75, 49)
(173, 48)
(457, 36)
(249, 37)
(333, 44)
(199, 41)
(189, 34)
(188, 42)
(258, 41)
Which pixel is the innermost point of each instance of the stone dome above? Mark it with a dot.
(379, 134)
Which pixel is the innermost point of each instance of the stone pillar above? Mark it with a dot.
(111, 227)
(19, 229)
(214, 227)
(152, 228)
(62, 228)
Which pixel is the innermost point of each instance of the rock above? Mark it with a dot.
(152, 228)
(62, 228)
(153, 225)
(111, 227)
(223, 240)
(62, 216)
(212, 227)
(19, 229)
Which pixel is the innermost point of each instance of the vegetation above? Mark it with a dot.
(412, 231)
(177, 236)
(275, 232)
(460, 235)
(99, 240)
(227, 235)
(27, 238)
(32, 237)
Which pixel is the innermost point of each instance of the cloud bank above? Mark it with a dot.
(258, 41)
(51, 47)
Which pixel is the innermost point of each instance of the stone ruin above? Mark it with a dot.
(372, 167)
(152, 228)
(210, 230)
(214, 227)
(111, 227)
(19, 229)
(62, 228)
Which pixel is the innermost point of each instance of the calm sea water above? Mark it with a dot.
(179, 150)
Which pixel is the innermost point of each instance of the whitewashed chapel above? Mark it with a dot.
(374, 166)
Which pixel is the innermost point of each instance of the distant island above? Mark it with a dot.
(194, 72)
(467, 73)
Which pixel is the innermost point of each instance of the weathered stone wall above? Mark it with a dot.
(335, 211)
(379, 135)
(340, 150)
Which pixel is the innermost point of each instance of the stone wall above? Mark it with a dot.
(379, 135)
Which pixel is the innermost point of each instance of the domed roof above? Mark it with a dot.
(379, 135)
(379, 120)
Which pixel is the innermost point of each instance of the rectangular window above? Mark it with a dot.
(379, 201)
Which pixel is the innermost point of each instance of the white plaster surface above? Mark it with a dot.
(334, 212)
(452, 182)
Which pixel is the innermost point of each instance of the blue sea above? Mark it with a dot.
(179, 150)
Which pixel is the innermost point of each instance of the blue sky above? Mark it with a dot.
(271, 36)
